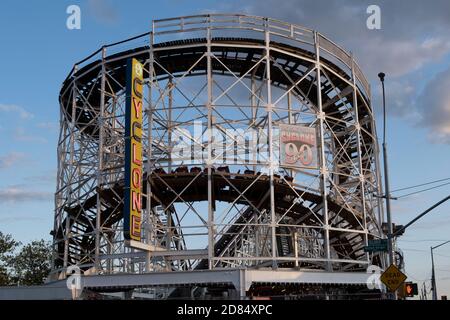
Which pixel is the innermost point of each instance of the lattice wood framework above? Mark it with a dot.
(237, 207)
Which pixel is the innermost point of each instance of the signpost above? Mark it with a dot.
(298, 146)
(376, 245)
(393, 278)
(133, 152)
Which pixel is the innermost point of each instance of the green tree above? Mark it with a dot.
(7, 247)
(32, 264)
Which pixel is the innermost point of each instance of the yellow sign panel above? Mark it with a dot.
(133, 151)
(392, 278)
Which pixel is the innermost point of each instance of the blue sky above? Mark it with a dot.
(412, 47)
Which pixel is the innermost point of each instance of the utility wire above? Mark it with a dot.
(422, 250)
(431, 240)
(414, 278)
(423, 190)
(420, 185)
(416, 250)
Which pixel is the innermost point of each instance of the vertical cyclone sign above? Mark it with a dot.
(298, 146)
(133, 152)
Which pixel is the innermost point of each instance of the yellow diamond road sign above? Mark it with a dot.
(392, 277)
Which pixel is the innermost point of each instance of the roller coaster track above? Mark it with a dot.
(238, 54)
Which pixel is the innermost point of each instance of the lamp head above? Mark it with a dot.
(381, 76)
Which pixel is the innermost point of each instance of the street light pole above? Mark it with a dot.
(387, 193)
(433, 276)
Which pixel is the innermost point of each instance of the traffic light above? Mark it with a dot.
(396, 228)
(411, 289)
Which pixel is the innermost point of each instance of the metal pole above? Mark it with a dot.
(420, 216)
(210, 156)
(150, 225)
(433, 278)
(150, 231)
(273, 221)
(387, 194)
(360, 161)
(323, 164)
(254, 113)
(71, 163)
(388, 206)
(170, 224)
(101, 124)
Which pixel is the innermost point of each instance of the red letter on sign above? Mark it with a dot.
(136, 225)
(136, 201)
(137, 107)
(136, 160)
(136, 178)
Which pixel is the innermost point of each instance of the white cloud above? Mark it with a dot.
(20, 134)
(413, 37)
(399, 57)
(23, 114)
(400, 96)
(47, 177)
(434, 106)
(48, 125)
(103, 11)
(20, 219)
(10, 159)
(403, 45)
(19, 193)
